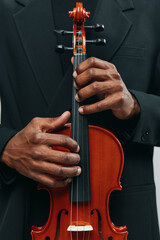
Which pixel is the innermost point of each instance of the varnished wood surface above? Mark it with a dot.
(106, 164)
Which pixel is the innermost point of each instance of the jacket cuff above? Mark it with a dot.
(146, 128)
(7, 174)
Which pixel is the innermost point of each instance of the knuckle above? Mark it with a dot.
(36, 138)
(92, 61)
(95, 85)
(115, 74)
(36, 153)
(118, 75)
(72, 143)
(121, 98)
(35, 120)
(80, 94)
(105, 65)
(33, 164)
(78, 69)
(60, 171)
(65, 158)
(112, 66)
(32, 175)
(78, 81)
(121, 86)
(106, 74)
(99, 106)
(65, 141)
(91, 72)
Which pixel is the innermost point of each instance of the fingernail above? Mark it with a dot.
(75, 85)
(80, 110)
(65, 113)
(77, 98)
(78, 171)
(78, 148)
(75, 74)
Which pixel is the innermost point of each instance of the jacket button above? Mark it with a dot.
(144, 136)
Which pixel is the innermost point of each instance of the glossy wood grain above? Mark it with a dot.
(106, 164)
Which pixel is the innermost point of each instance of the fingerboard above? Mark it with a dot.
(80, 186)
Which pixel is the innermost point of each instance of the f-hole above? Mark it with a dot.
(59, 223)
(99, 223)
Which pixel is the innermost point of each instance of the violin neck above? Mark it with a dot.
(80, 187)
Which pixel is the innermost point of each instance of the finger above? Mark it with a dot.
(61, 157)
(93, 62)
(51, 139)
(55, 156)
(111, 102)
(90, 75)
(72, 60)
(51, 124)
(96, 88)
(50, 181)
(56, 170)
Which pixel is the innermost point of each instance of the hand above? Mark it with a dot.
(95, 77)
(30, 152)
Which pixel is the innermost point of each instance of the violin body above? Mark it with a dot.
(106, 164)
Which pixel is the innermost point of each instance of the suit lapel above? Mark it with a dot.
(117, 26)
(125, 4)
(35, 26)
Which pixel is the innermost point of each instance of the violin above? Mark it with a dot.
(80, 211)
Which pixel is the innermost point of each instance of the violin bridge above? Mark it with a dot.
(86, 228)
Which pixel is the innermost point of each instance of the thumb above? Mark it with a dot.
(54, 124)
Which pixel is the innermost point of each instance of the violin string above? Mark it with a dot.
(88, 184)
(82, 59)
(77, 177)
(71, 216)
(71, 208)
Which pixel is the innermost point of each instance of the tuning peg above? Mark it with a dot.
(97, 27)
(98, 42)
(62, 49)
(63, 32)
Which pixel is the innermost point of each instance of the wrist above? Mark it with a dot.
(136, 108)
(128, 112)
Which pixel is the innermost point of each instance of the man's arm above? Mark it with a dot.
(29, 152)
(135, 114)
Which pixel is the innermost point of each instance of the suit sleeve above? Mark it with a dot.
(145, 128)
(7, 175)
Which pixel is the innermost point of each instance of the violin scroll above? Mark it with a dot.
(79, 13)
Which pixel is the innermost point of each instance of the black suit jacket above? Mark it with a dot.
(36, 81)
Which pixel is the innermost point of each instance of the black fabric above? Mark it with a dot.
(36, 81)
